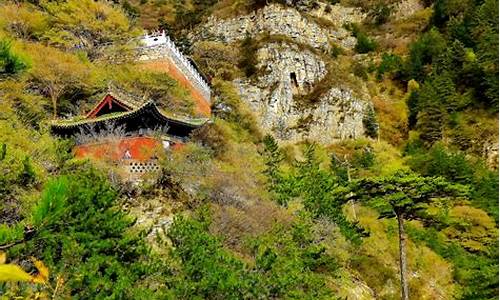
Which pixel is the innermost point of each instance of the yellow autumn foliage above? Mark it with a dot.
(14, 273)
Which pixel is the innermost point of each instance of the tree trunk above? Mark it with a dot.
(402, 258)
(54, 106)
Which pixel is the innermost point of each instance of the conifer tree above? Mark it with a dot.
(430, 117)
(445, 88)
(486, 33)
(10, 63)
(85, 238)
(370, 123)
(404, 195)
(413, 108)
(273, 156)
(323, 194)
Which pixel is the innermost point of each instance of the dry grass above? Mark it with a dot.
(235, 225)
(378, 262)
(389, 103)
(153, 11)
(396, 35)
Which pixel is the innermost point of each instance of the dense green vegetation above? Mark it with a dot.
(455, 61)
(243, 216)
(284, 266)
(93, 261)
(412, 196)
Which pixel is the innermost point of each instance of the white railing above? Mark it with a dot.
(161, 41)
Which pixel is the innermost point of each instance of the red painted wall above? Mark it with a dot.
(165, 65)
(139, 148)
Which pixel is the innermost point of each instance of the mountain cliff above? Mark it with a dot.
(351, 150)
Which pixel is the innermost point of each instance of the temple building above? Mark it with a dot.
(131, 131)
(126, 130)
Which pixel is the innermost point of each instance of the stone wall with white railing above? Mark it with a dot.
(159, 45)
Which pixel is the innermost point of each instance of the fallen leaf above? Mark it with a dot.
(10, 272)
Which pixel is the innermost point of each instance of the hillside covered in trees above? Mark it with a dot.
(351, 152)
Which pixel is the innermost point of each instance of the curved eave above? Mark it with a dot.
(147, 107)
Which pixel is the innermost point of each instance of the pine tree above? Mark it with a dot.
(431, 116)
(445, 89)
(413, 108)
(370, 123)
(486, 33)
(323, 194)
(404, 195)
(273, 156)
(83, 236)
(10, 63)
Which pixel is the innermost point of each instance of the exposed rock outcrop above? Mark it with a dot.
(293, 67)
(291, 72)
(278, 20)
(337, 14)
(407, 8)
(490, 153)
(274, 20)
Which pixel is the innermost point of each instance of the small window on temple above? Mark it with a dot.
(127, 154)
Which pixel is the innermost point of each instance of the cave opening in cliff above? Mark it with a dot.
(295, 83)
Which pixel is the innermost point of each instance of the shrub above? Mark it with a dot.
(285, 263)
(168, 94)
(238, 115)
(336, 50)
(476, 274)
(422, 52)
(23, 20)
(364, 43)
(131, 10)
(320, 191)
(391, 63)
(364, 159)
(248, 52)
(370, 123)
(27, 175)
(380, 13)
(211, 136)
(217, 59)
(207, 270)
(10, 63)
(456, 167)
(86, 24)
(359, 70)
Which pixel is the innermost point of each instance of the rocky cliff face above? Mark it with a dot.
(293, 68)
(299, 26)
(274, 97)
